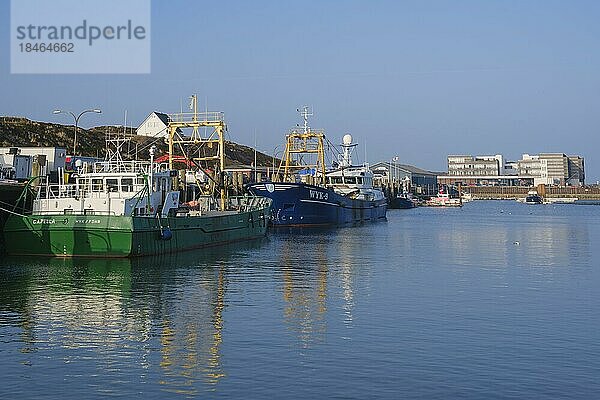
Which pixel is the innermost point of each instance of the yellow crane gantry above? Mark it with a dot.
(195, 121)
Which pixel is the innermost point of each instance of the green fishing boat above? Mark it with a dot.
(128, 213)
(118, 208)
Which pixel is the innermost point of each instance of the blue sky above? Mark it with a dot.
(417, 79)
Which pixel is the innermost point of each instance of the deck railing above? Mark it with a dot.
(210, 117)
(121, 166)
(49, 192)
(85, 213)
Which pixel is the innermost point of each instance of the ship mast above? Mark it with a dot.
(300, 143)
(305, 114)
(114, 148)
(196, 120)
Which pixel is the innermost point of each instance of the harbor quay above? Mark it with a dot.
(515, 192)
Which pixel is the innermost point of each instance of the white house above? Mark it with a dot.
(155, 125)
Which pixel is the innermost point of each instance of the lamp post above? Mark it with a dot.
(76, 118)
(395, 178)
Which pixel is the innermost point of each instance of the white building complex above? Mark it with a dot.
(545, 168)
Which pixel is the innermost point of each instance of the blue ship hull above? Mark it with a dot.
(300, 204)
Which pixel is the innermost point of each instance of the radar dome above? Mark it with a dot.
(347, 139)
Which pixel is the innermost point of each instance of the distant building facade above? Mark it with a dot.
(21, 163)
(475, 166)
(544, 168)
(576, 171)
(15, 166)
(422, 181)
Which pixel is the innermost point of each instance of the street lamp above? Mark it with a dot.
(76, 118)
(394, 180)
(395, 160)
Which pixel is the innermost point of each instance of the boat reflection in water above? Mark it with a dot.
(310, 283)
(127, 314)
(304, 283)
(349, 313)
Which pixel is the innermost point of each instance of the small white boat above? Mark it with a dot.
(443, 200)
(533, 198)
(466, 197)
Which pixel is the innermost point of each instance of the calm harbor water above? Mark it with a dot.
(494, 300)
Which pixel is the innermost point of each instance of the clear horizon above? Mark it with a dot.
(418, 80)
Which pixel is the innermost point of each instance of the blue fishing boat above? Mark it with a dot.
(306, 193)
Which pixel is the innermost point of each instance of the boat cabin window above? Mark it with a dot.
(112, 185)
(84, 184)
(140, 180)
(336, 180)
(97, 185)
(359, 181)
(350, 180)
(127, 184)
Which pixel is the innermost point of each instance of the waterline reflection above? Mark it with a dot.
(128, 315)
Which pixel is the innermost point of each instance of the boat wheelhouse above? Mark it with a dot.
(118, 189)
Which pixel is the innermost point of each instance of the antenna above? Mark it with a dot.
(113, 153)
(305, 112)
